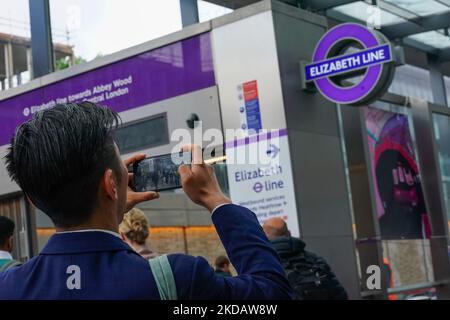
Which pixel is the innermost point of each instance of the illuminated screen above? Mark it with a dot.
(400, 202)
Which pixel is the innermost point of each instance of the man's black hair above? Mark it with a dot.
(6, 229)
(59, 157)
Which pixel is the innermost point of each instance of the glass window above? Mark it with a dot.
(442, 134)
(441, 124)
(14, 43)
(400, 204)
(421, 7)
(398, 198)
(362, 10)
(412, 81)
(14, 18)
(435, 39)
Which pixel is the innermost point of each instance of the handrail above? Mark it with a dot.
(418, 286)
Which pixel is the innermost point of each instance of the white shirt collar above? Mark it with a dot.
(92, 230)
(5, 255)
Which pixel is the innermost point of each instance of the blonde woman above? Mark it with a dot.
(134, 231)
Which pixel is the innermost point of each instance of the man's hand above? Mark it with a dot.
(199, 181)
(133, 197)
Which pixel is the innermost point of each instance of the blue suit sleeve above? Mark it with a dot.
(260, 273)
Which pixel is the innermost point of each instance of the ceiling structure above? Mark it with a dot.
(420, 24)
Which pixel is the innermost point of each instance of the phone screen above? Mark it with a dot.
(160, 172)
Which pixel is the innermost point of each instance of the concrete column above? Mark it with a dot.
(19, 78)
(30, 62)
(9, 64)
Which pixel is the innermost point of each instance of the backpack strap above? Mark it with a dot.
(165, 281)
(8, 265)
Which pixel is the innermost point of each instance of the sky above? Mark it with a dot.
(96, 27)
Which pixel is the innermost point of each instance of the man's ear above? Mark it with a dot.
(110, 184)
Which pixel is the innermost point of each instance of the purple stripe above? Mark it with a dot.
(159, 74)
(257, 138)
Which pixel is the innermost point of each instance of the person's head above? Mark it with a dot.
(6, 234)
(222, 263)
(276, 228)
(134, 227)
(67, 163)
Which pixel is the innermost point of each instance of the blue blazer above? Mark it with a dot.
(107, 268)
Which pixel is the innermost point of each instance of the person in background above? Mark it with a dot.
(134, 231)
(308, 274)
(389, 277)
(222, 266)
(6, 244)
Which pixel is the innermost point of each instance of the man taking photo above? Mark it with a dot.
(68, 165)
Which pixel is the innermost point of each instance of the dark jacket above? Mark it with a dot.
(287, 247)
(222, 273)
(309, 275)
(110, 269)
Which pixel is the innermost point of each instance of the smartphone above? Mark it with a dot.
(160, 172)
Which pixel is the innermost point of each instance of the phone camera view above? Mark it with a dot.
(159, 173)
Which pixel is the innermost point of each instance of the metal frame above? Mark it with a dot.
(189, 12)
(41, 37)
(367, 240)
(437, 81)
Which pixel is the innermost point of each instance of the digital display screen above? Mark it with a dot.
(400, 204)
(159, 173)
(144, 134)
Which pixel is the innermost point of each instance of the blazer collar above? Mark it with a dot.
(83, 242)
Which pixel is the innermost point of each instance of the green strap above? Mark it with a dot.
(162, 272)
(9, 264)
